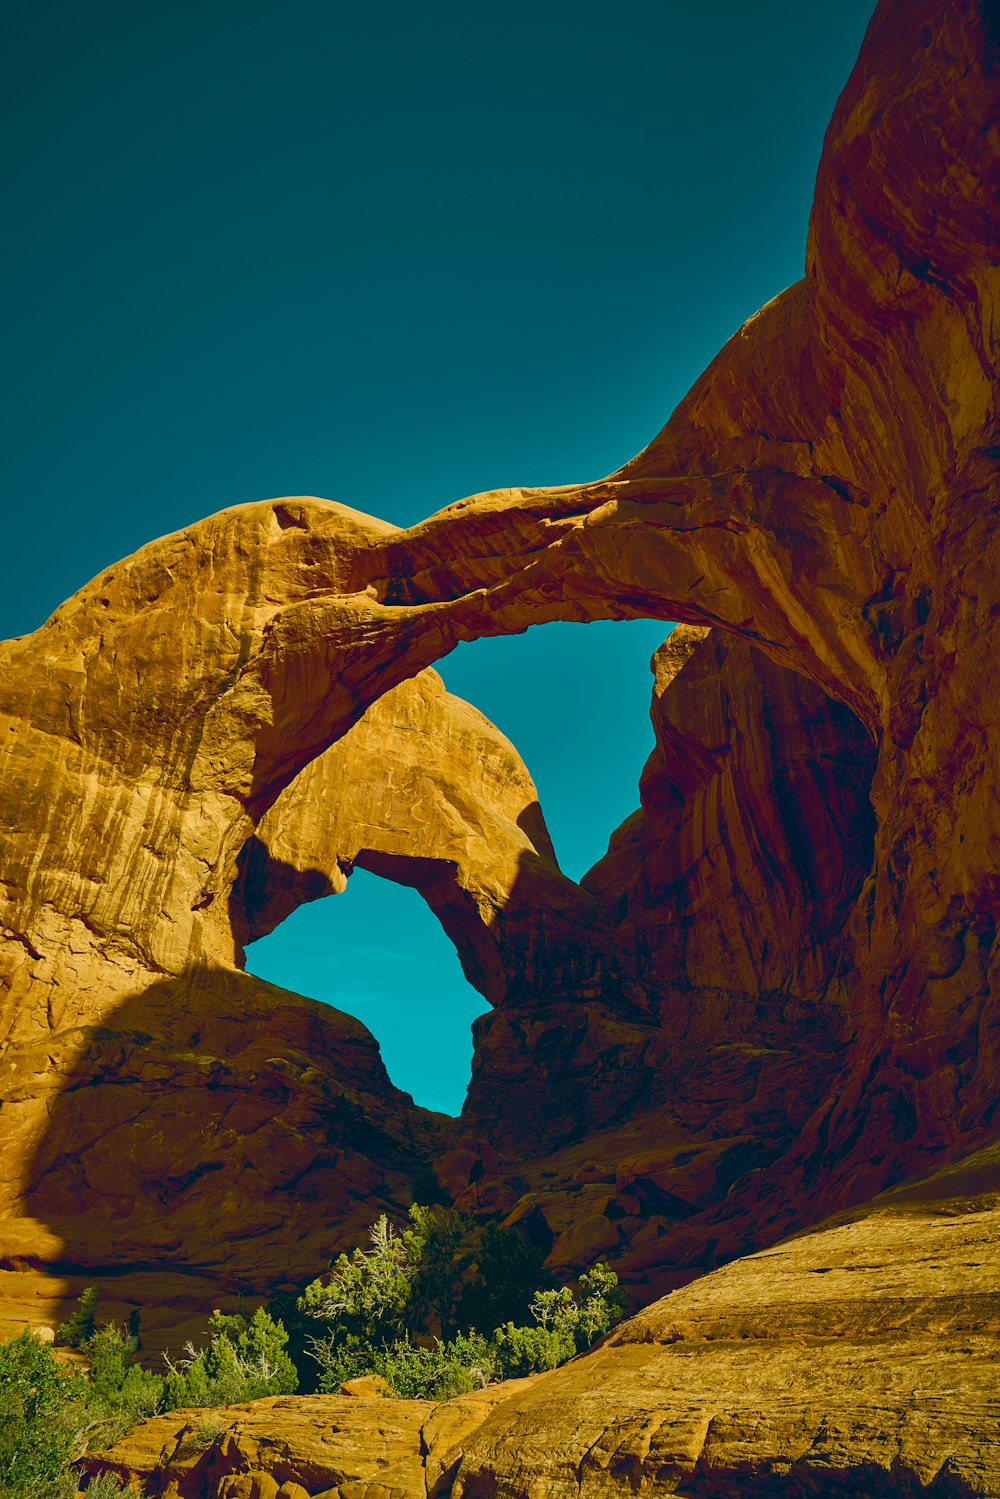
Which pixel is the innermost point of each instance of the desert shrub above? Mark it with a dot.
(50, 1415)
(505, 1275)
(585, 1317)
(81, 1324)
(245, 1359)
(464, 1363)
(530, 1350)
(403, 1308)
(471, 1364)
(41, 1413)
(564, 1324)
(412, 1371)
(441, 1273)
(120, 1393)
(110, 1486)
(367, 1296)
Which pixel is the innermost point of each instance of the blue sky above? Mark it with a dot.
(391, 255)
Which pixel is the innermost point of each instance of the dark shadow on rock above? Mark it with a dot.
(268, 890)
(217, 1123)
(632, 1076)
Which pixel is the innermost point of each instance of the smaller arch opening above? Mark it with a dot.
(575, 701)
(379, 953)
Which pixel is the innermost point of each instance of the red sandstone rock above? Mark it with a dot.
(827, 495)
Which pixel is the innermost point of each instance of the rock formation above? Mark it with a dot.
(774, 998)
(426, 792)
(835, 1363)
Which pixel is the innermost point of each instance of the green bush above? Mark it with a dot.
(245, 1359)
(80, 1327)
(505, 1275)
(403, 1308)
(412, 1371)
(41, 1415)
(49, 1415)
(530, 1350)
(120, 1393)
(443, 1272)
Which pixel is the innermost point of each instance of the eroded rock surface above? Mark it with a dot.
(856, 1359)
(827, 496)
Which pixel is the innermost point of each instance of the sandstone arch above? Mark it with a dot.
(427, 792)
(827, 493)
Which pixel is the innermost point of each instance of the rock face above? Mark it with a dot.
(755, 833)
(705, 1393)
(830, 1364)
(777, 994)
(425, 791)
(729, 891)
(328, 1445)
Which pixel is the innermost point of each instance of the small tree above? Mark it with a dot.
(245, 1360)
(81, 1323)
(40, 1410)
(120, 1393)
(565, 1324)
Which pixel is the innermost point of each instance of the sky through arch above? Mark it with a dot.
(376, 950)
(389, 255)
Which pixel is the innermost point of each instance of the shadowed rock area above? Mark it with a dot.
(774, 999)
(840, 1362)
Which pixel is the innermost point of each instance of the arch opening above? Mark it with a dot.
(578, 705)
(575, 701)
(378, 952)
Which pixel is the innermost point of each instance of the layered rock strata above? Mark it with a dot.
(827, 495)
(836, 1363)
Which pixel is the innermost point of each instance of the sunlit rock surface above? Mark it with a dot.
(782, 997)
(836, 1363)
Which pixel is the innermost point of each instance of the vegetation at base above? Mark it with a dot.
(438, 1308)
(41, 1408)
(432, 1309)
(51, 1414)
(245, 1360)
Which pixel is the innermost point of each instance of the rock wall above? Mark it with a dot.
(755, 831)
(825, 501)
(839, 1363)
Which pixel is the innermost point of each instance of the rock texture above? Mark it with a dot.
(330, 1445)
(755, 832)
(774, 998)
(834, 1363)
(427, 792)
(729, 891)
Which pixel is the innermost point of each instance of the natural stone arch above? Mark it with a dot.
(425, 791)
(827, 491)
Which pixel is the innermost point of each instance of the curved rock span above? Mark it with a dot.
(776, 995)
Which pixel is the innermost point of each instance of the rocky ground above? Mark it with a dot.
(859, 1358)
(773, 1001)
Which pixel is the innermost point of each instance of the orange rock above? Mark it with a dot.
(248, 1486)
(759, 960)
(425, 791)
(367, 1385)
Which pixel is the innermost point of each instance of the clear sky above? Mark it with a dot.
(390, 254)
